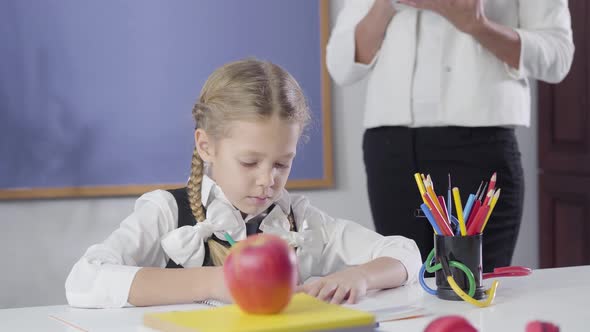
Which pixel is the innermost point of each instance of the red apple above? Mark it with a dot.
(540, 326)
(261, 274)
(452, 323)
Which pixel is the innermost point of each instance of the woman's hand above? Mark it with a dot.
(466, 15)
(370, 31)
(347, 285)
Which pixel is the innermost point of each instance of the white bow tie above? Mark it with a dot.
(306, 240)
(185, 245)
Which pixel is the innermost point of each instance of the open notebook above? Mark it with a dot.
(382, 312)
(131, 318)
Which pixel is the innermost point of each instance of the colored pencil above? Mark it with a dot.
(492, 205)
(459, 211)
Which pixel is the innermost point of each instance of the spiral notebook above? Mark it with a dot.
(212, 303)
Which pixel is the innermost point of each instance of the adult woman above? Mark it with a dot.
(448, 82)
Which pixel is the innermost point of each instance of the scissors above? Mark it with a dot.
(508, 271)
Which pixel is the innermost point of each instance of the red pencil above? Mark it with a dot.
(440, 221)
(475, 226)
(491, 187)
(492, 182)
(443, 205)
(474, 209)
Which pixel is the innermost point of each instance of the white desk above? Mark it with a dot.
(561, 296)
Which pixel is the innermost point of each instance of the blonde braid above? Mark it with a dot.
(217, 251)
(194, 187)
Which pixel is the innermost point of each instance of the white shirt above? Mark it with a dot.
(477, 88)
(149, 237)
(427, 72)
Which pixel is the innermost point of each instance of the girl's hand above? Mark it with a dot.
(465, 15)
(220, 291)
(347, 285)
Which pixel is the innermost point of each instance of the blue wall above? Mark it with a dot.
(100, 92)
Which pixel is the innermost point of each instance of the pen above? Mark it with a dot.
(229, 239)
(450, 206)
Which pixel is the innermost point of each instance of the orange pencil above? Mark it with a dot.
(433, 197)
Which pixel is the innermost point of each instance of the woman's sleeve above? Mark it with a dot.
(340, 50)
(102, 278)
(547, 48)
(349, 243)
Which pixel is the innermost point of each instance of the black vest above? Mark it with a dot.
(186, 218)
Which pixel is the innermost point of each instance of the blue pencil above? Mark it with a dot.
(456, 225)
(468, 206)
(430, 218)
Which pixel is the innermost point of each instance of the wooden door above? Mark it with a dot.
(564, 156)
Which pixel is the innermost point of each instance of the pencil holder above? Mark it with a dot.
(465, 250)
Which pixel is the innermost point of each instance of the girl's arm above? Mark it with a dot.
(352, 283)
(157, 286)
(355, 259)
(128, 266)
(383, 272)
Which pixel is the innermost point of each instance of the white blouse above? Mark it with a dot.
(426, 83)
(150, 236)
(478, 88)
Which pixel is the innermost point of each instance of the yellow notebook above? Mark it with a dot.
(304, 313)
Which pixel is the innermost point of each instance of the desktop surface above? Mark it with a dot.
(555, 295)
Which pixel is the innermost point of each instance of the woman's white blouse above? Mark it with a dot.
(149, 237)
(477, 89)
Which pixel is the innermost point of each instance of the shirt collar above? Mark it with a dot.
(208, 186)
(210, 191)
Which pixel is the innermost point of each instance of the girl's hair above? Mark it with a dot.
(243, 90)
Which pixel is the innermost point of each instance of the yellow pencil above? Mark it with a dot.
(459, 208)
(493, 202)
(421, 188)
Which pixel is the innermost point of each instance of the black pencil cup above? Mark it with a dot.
(465, 250)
